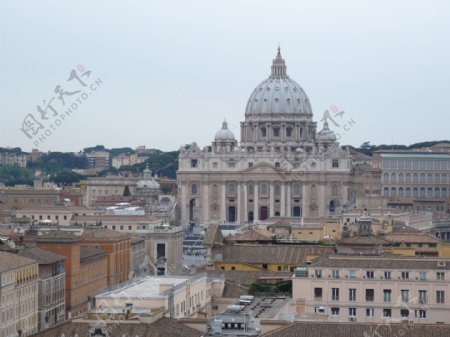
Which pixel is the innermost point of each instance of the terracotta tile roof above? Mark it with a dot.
(164, 327)
(88, 253)
(268, 254)
(382, 262)
(328, 329)
(411, 236)
(40, 255)
(370, 240)
(10, 261)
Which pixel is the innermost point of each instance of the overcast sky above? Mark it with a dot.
(171, 71)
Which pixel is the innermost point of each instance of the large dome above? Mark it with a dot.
(224, 134)
(278, 94)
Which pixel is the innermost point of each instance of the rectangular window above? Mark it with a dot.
(440, 296)
(405, 275)
(370, 312)
(387, 275)
(334, 311)
(335, 163)
(231, 164)
(422, 296)
(387, 295)
(215, 165)
(405, 295)
(318, 273)
(352, 294)
(263, 132)
(440, 276)
(369, 274)
(352, 312)
(335, 273)
(387, 313)
(421, 313)
(276, 132)
(250, 164)
(288, 132)
(121, 227)
(352, 274)
(335, 294)
(404, 313)
(194, 163)
(317, 293)
(422, 275)
(370, 295)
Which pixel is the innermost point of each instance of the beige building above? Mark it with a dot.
(127, 160)
(53, 215)
(182, 296)
(19, 278)
(282, 166)
(373, 289)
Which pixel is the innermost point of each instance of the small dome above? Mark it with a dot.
(326, 135)
(224, 134)
(147, 184)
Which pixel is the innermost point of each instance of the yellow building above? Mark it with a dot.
(19, 295)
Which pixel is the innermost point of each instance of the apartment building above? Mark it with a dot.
(374, 289)
(18, 295)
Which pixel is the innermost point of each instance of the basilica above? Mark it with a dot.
(282, 167)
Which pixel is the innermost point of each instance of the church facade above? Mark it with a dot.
(281, 167)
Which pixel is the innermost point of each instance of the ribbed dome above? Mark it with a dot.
(278, 94)
(326, 135)
(224, 134)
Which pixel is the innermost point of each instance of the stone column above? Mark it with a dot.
(238, 204)
(245, 202)
(184, 204)
(205, 202)
(271, 200)
(288, 199)
(321, 200)
(223, 203)
(256, 202)
(305, 200)
(283, 199)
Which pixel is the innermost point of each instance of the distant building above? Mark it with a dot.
(182, 296)
(127, 160)
(373, 289)
(118, 247)
(282, 166)
(19, 277)
(11, 158)
(53, 215)
(98, 159)
(86, 270)
(416, 180)
(52, 285)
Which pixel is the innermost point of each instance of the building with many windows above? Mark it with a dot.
(18, 295)
(374, 289)
(417, 180)
(282, 166)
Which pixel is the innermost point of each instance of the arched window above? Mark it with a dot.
(422, 192)
(335, 190)
(415, 178)
(422, 178)
(429, 192)
(231, 189)
(313, 190)
(393, 178)
(264, 190)
(437, 193)
(386, 192)
(296, 191)
(437, 178)
(277, 189)
(386, 178)
(444, 178)
(444, 193)
(393, 192)
(251, 190)
(194, 189)
(408, 192)
(429, 178)
(401, 178)
(415, 192)
(407, 178)
(401, 192)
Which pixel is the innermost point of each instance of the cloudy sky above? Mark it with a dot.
(166, 73)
